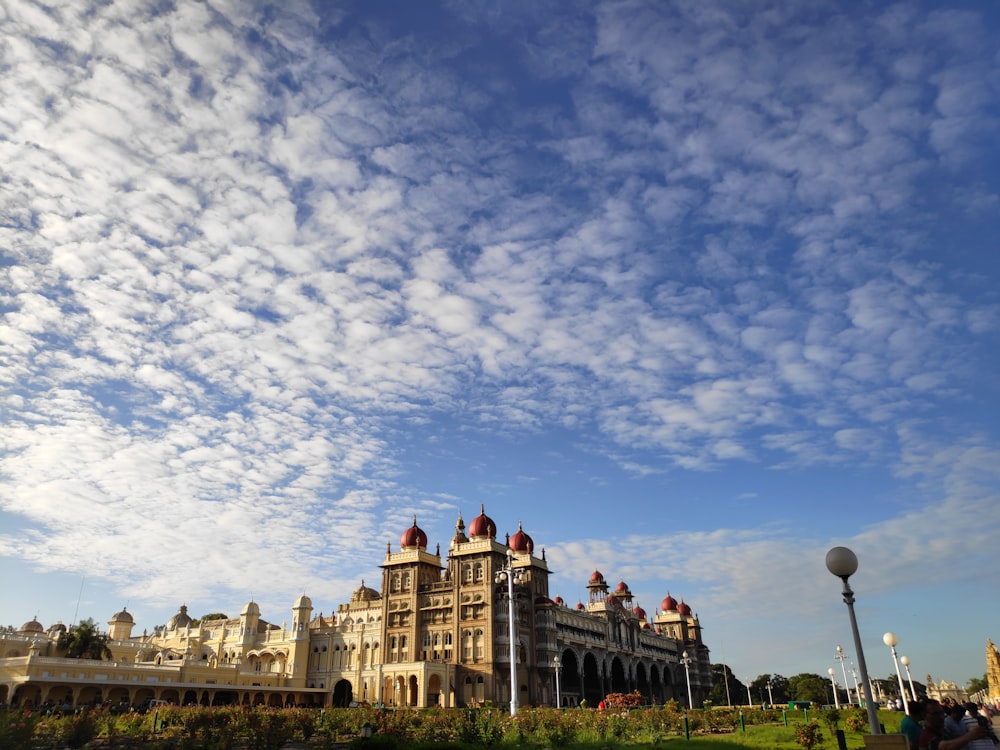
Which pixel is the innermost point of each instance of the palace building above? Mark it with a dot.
(436, 633)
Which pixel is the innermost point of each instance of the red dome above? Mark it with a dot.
(413, 537)
(521, 542)
(645, 626)
(639, 612)
(559, 600)
(482, 526)
(597, 577)
(579, 605)
(683, 609)
(669, 604)
(622, 587)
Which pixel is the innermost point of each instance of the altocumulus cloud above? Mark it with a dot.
(246, 248)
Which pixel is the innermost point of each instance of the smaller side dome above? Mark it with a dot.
(182, 619)
(597, 577)
(414, 537)
(639, 612)
(683, 609)
(123, 616)
(622, 587)
(559, 600)
(56, 629)
(303, 602)
(365, 594)
(669, 604)
(521, 542)
(31, 627)
(482, 526)
(579, 606)
(250, 610)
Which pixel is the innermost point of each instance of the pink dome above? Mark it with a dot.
(414, 537)
(521, 542)
(482, 526)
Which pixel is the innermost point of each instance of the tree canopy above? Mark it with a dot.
(809, 687)
(84, 641)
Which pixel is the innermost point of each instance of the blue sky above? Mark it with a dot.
(693, 291)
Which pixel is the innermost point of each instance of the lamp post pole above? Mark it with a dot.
(857, 688)
(905, 661)
(686, 661)
(507, 574)
(833, 682)
(555, 661)
(841, 657)
(749, 696)
(770, 697)
(890, 640)
(843, 563)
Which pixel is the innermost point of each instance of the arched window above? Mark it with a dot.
(479, 644)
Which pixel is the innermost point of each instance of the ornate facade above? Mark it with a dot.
(437, 633)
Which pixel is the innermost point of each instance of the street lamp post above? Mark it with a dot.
(686, 661)
(749, 697)
(857, 688)
(508, 574)
(890, 640)
(770, 697)
(905, 661)
(843, 563)
(841, 657)
(555, 662)
(836, 698)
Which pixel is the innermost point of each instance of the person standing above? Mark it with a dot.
(933, 737)
(953, 721)
(973, 719)
(910, 726)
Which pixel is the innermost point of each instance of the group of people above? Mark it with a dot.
(931, 725)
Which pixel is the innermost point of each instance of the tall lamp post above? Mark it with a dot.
(905, 661)
(842, 657)
(511, 576)
(890, 640)
(555, 662)
(686, 661)
(770, 697)
(843, 563)
(836, 699)
(857, 688)
(749, 697)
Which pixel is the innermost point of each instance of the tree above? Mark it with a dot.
(809, 687)
(84, 642)
(978, 683)
(721, 674)
(209, 617)
(778, 692)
